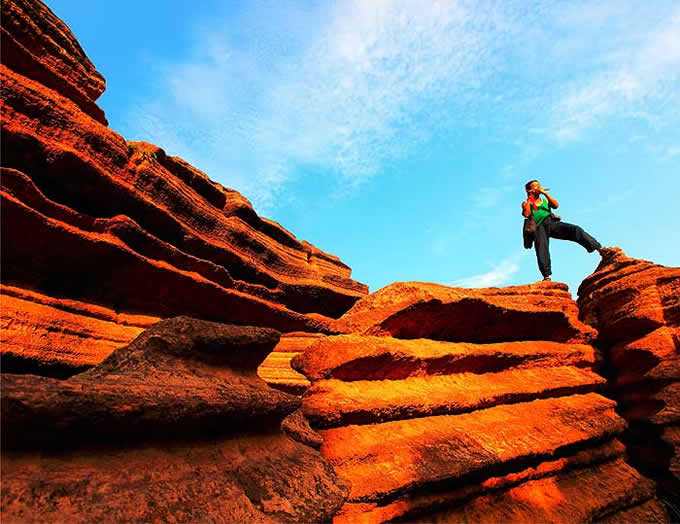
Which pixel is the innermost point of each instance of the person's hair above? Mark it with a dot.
(526, 186)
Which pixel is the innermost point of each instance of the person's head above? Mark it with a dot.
(532, 187)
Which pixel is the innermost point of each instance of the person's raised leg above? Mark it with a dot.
(566, 231)
(541, 243)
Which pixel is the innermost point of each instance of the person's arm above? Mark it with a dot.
(526, 208)
(554, 204)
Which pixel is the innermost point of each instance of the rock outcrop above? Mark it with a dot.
(89, 217)
(499, 419)
(176, 426)
(424, 310)
(635, 306)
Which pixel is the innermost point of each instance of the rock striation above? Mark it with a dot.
(276, 369)
(175, 426)
(454, 405)
(635, 306)
(89, 217)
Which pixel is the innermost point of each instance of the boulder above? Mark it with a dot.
(174, 426)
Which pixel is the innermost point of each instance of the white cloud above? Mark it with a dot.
(346, 89)
(646, 72)
(358, 91)
(499, 275)
(672, 152)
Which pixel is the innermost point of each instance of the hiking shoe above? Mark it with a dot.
(547, 279)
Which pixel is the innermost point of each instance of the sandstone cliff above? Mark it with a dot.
(471, 405)
(418, 402)
(635, 306)
(91, 218)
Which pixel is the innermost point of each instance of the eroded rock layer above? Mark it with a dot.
(635, 306)
(276, 369)
(542, 311)
(87, 216)
(496, 413)
(176, 426)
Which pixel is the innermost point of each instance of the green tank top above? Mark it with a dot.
(541, 211)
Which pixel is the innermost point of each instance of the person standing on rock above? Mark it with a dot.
(540, 204)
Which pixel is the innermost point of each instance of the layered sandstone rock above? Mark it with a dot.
(276, 368)
(423, 310)
(89, 217)
(41, 47)
(635, 306)
(498, 419)
(44, 335)
(175, 426)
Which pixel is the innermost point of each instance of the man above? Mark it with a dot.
(549, 225)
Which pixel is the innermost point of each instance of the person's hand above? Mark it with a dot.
(543, 190)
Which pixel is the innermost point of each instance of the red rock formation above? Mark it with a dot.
(88, 217)
(175, 426)
(41, 47)
(541, 311)
(39, 331)
(489, 422)
(635, 306)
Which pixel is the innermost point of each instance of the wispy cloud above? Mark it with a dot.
(346, 89)
(647, 72)
(356, 93)
(499, 275)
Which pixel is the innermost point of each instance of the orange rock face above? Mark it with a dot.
(498, 419)
(635, 306)
(175, 426)
(41, 47)
(49, 336)
(542, 311)
(87, 216)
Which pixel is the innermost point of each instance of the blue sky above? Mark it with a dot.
(399, 135)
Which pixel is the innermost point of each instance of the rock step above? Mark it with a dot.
(409, 505)
(576, 496)
(387, 459)
(358, 357)
(422, 310)
(332, 403)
